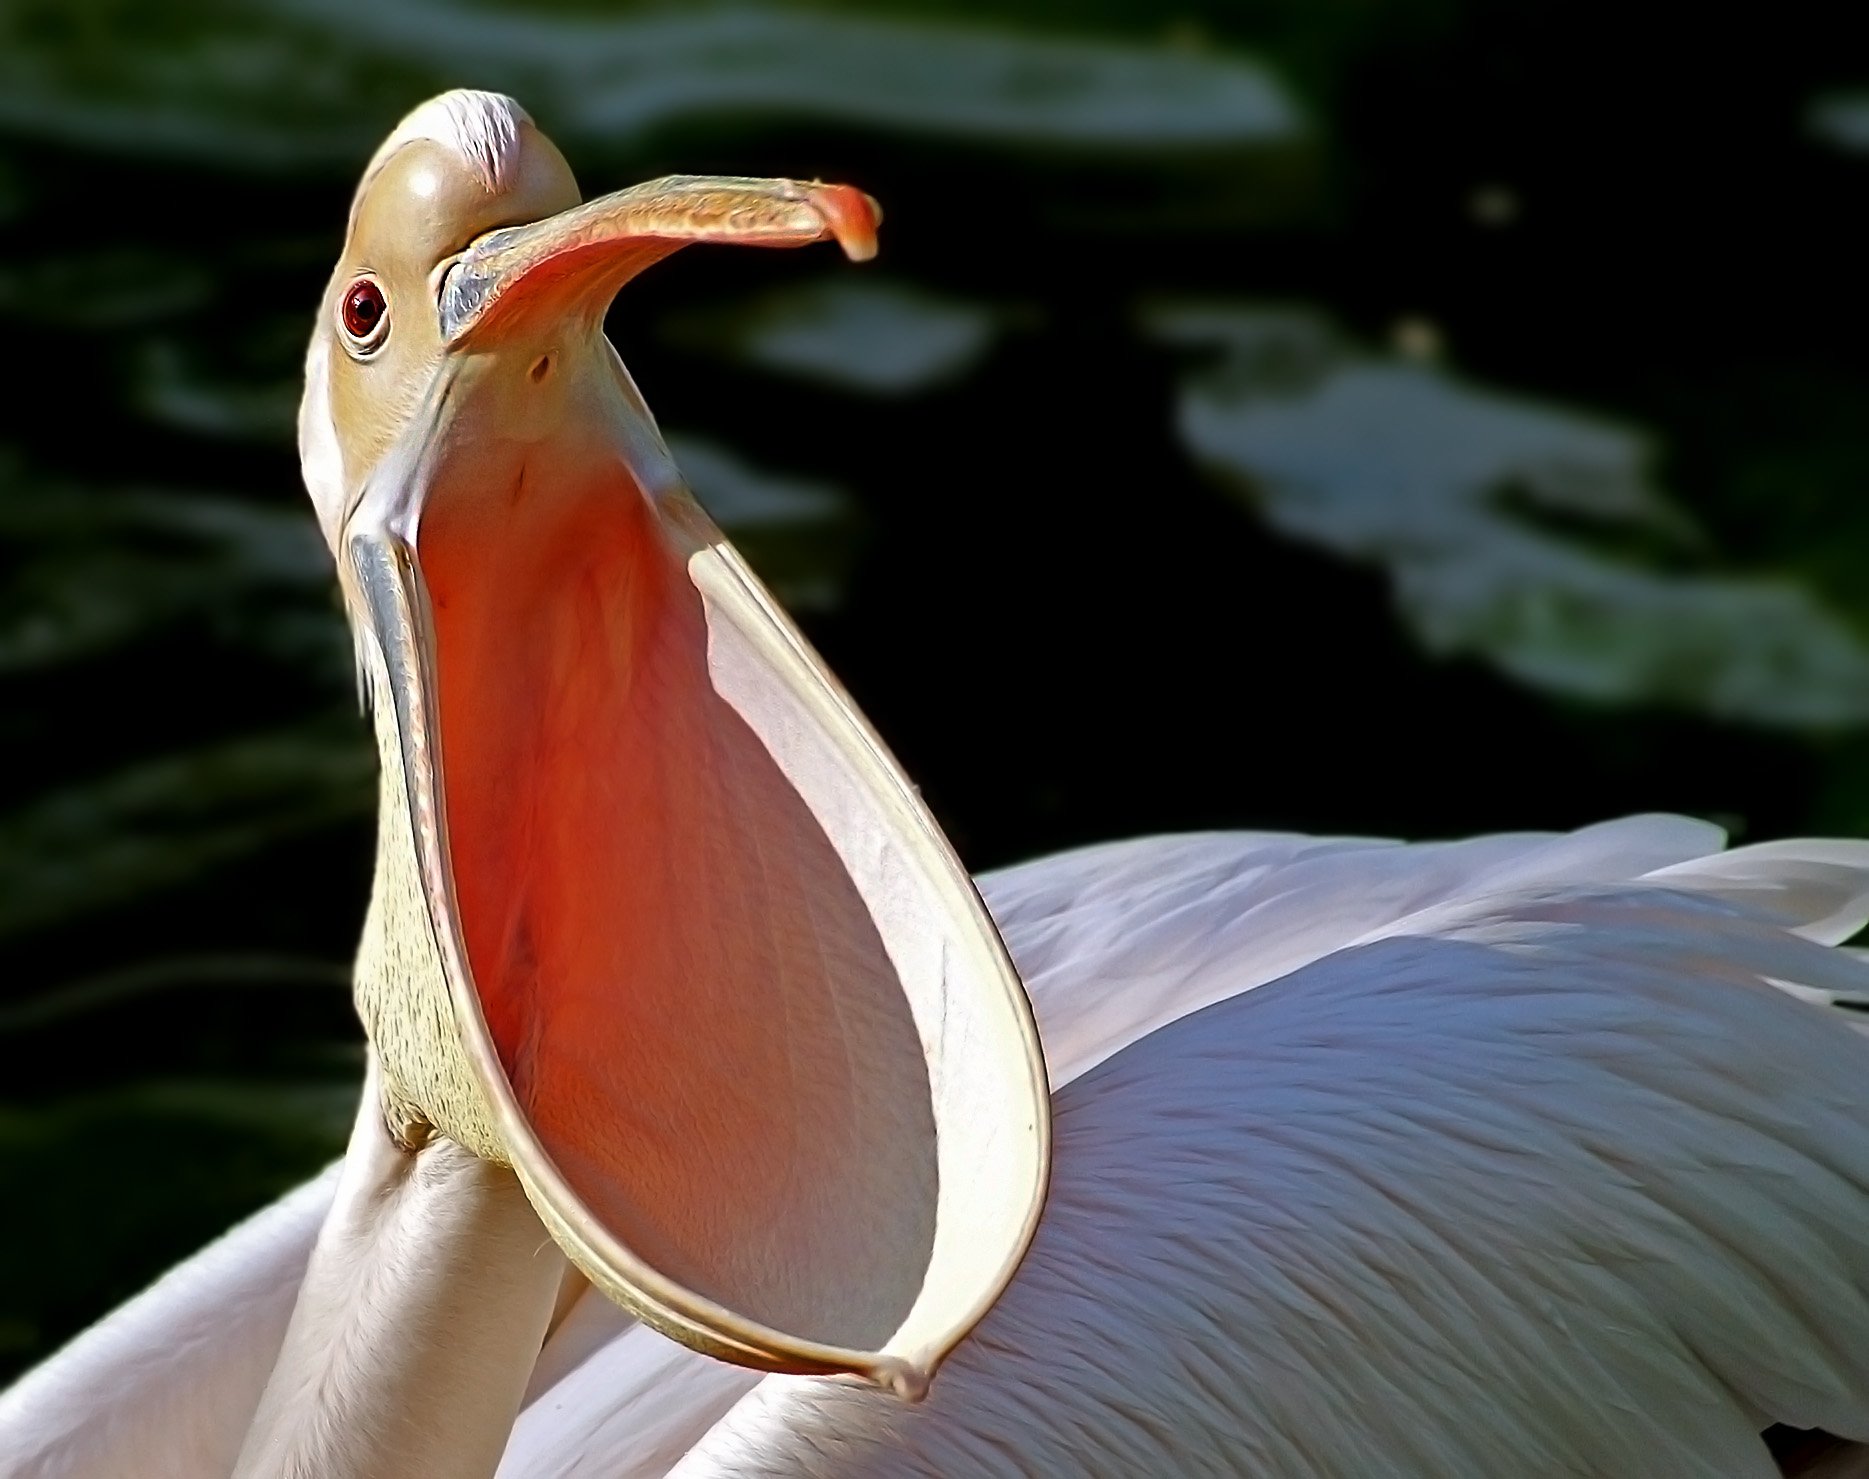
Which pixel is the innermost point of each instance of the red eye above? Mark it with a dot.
(363, 309)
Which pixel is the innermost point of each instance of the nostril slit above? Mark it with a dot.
(542, 368)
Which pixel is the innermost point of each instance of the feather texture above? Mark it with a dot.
(166, 1385)
(1521, 1154)
(1562, 1187)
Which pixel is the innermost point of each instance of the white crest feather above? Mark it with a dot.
(482, 127)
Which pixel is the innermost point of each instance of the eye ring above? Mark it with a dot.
(363, 314)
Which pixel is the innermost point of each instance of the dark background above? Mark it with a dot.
(1402, 418)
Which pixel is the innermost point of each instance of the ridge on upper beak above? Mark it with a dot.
(592, 250)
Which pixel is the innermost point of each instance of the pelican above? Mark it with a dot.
(1529, 1154)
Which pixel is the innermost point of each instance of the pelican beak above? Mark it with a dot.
(657, 921)
(585, 254)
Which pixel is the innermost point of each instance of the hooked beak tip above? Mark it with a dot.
(851, 217)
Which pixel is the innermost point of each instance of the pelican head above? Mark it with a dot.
(656, 921)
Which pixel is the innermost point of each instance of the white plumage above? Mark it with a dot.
(1481, 1158)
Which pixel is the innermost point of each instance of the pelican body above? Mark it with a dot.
(1524, 1155)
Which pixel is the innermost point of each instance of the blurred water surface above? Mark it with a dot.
(1411, 418)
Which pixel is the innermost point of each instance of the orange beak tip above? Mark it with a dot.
(851, 217)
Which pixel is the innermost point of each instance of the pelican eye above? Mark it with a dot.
(364, 314)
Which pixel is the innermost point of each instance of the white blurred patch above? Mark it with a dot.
(1527, 534)
(879, 338)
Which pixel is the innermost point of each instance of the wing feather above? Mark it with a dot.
(1521, 1160)
(166, 1385)
(1118, 939)
(1553, 1181)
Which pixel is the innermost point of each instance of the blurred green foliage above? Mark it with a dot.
(1416, 417)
